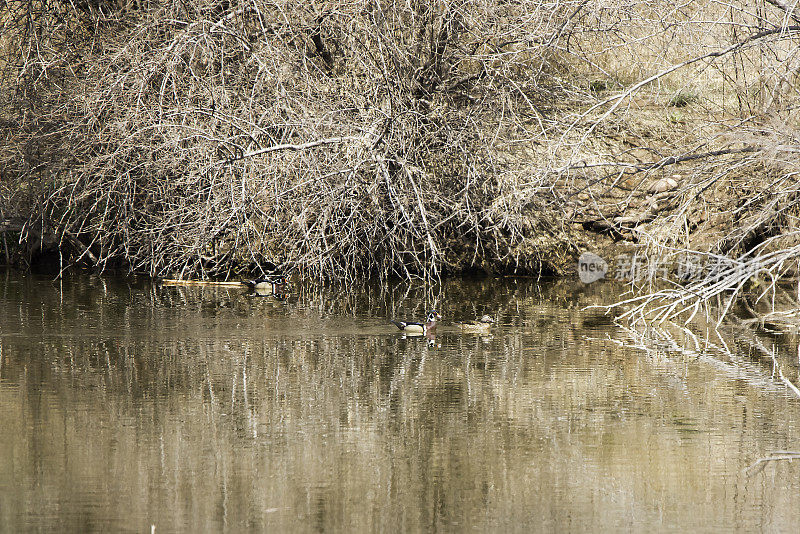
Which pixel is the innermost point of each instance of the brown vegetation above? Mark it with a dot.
(197, 138)
(211, 138)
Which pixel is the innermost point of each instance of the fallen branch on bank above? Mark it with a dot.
(83, 249)
(725, 282)
(633, 168)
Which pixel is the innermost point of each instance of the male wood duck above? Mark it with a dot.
(276, 285)
(484, 324)
(419, 328)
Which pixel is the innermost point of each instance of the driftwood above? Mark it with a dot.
(175, 282)
(82, 249)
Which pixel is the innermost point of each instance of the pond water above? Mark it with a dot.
(129, 406)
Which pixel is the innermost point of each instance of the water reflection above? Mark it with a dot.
(125, 405)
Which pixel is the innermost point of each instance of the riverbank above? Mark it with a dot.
(190, 140)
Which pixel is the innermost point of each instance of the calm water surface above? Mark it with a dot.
(125, 406)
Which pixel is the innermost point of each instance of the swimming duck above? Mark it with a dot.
(484, 324)
(268, 286)
(419, 328)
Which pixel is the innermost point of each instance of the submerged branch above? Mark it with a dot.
(777, 456)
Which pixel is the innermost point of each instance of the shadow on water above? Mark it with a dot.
(126, 404)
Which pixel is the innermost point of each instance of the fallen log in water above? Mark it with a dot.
(176, 282)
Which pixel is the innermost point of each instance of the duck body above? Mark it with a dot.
(410, 327)
(484, 324)
(268, 286)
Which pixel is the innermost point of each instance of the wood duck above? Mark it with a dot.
(484, 324)
(419, 328)
(268, 286)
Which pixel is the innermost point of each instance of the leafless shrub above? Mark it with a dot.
(208, 138)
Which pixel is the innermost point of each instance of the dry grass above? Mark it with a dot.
(274, 135)
(207, 139)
